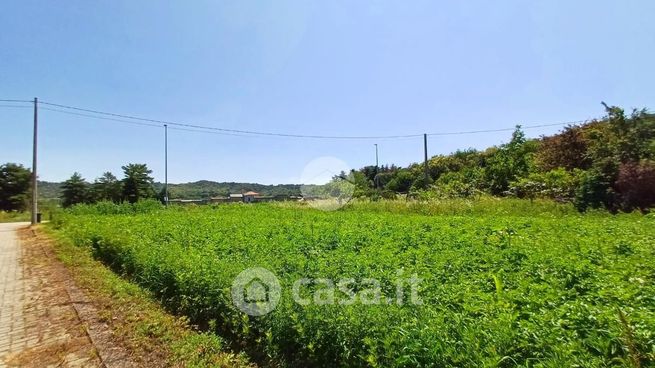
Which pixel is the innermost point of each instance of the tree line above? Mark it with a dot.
(606, 163)
(137, 184)
(603, 163)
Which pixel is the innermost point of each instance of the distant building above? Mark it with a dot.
(252, 197)
(219, 199)
(187, 201)
(249, 197)
(236, 197)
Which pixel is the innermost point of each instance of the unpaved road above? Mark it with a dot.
(39, 327)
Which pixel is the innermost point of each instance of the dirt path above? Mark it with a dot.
(39, 326)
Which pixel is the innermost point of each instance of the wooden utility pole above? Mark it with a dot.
(425, 152)
(35, 192)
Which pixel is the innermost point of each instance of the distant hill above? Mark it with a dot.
(49, 190)
(196, 190)
(206, 189)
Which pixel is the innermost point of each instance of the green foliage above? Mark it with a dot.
(636, 185)
(112, 208)
(509, 162)
(558, 184)
(14, 187)
(13, 216)
(107, 188)
(137, 184)
(74, 190)
(196, 190)
(456, 162)
(363, 187)
(401, 182)
(464, 183)
(517, 284)
(568, 150)
(205, 189)
(594, 191)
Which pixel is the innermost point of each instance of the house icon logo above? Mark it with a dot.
(256, 291)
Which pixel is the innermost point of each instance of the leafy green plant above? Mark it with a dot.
(506, 282)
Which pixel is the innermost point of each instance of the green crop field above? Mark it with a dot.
(503, 283)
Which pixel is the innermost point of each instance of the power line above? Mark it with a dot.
(102, 117)
(138, 122)
(508, 129)
(26, 101)
(225, 129)
(248, 133)
(17, 106)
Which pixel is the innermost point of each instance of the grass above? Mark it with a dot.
(14, 216)
(506, 282)
(142, 325)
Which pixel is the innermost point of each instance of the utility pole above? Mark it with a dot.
(425, 152)
(376, 156)
(35, 192)
(375, 178)
(166, 164)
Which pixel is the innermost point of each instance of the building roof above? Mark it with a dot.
(238, 195)
(251, 193)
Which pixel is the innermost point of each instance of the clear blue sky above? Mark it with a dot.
(326, 68)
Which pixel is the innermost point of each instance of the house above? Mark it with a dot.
(236, 197)
(249, 197)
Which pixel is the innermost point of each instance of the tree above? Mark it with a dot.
(402, 181)
(74, 190)
(567, 149)
(630, 138)
(594, 191)
(107, 188)
(558, 184)
(636, 185)
(14, 187)
(509, 162)
(137, 183)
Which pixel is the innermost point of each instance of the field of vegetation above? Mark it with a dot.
(505, 283)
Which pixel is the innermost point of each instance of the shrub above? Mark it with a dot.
(636, 185)
(567, 149)
(461, 184)
(558, 184)
(594, 191)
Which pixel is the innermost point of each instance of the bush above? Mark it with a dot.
(111, 208)
(594, 191)
(402, 182)
(636, 185)
(558, 184)
(458, 184)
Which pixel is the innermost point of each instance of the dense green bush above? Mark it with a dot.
(594, 191)
(581, 164)
(111, 208)
(558, 184)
